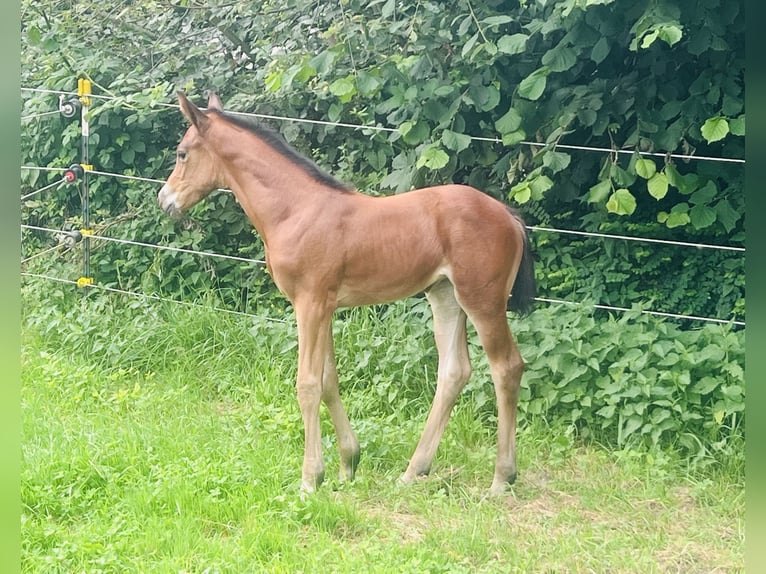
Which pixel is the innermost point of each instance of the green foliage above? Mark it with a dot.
(621, 381)
(659, 385)
(645, 76)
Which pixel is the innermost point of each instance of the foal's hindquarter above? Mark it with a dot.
(463, 249)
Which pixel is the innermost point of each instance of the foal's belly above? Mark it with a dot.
(384, 289)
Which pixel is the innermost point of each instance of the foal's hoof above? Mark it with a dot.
(310, 485)
(500, 486)
(348, 467)
(411, 477)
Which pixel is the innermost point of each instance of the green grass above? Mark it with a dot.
(161, 438)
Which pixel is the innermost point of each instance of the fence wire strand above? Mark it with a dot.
(54, 184)
(151, 245)
(684, 157)
(262, 262)
(153, 297)
(368, 128)
(530, 227)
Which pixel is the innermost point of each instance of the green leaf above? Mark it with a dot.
(521, 192)
(670, 34)
(485, 98)
(633, 423)
(533, 86)
(737, 125)
(468, 46)
(600, 50)
(539, 186)
(127, 155)
(715, 129)
(455, 141)
(508, 122)
(273, 81)
(33, 33)
(677, 217)
(497, 20)
(620, 176)
(367, 83)
(727, 215)
(343, 88)
(323, 61)
(705, 194)
(513, 44)
(600, 191)
(706, 385)
(674, 178)
(677, 220)
(433, 157)
(658, 185)
(645, 167)
(587, 117)
(621, 202)
(559, 59)
(702, 216)
(414, 133)
(649, 39)
(465, 25)
(556, 161)
(513, 138)
(388, 8)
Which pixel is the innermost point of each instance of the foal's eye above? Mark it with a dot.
(181, 155)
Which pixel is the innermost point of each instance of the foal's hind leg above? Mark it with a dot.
(506, 366)
(454, 372)
(348, 445)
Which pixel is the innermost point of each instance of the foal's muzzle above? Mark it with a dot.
(167, 200)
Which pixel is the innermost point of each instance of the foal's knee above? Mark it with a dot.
(457, 373)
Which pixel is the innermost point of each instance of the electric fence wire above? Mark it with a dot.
(153, 297)
(684, 157)
(262, 262)
(530, 227)
(151, 245)
(54, 184)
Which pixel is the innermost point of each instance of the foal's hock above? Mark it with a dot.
(329, 246)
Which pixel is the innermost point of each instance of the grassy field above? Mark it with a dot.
(160, 438)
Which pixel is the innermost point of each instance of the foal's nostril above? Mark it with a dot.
(172, 211)
(166, 199)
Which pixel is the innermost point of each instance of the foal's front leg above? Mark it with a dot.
(313, 331)
(348, 444)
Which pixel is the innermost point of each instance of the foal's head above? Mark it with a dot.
(196, 172)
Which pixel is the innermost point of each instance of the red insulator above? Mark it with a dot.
(74, 172)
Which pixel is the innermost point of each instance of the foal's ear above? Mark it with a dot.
(192, 113)
(214, 102)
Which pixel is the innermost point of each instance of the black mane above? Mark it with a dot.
(276, 141)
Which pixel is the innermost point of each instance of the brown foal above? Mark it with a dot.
(329, 246)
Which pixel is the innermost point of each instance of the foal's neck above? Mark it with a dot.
(270, 187)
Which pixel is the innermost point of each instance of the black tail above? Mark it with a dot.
(524, 286)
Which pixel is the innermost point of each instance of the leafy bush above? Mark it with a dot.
(635, 379)
(617, 74)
